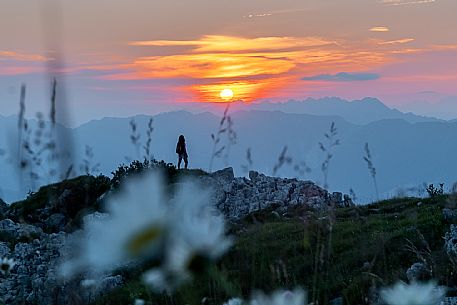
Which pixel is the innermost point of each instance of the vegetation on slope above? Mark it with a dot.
(347, 253)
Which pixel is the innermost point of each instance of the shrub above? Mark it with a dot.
(435, 191)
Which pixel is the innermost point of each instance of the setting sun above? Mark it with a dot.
(226, 94)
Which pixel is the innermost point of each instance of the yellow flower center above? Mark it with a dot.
(143, 239)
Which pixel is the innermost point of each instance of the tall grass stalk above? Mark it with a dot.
(371, 169)
(327, 149)
(225, 128)
(282, 160)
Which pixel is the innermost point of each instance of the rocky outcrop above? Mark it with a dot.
(449, 215)
(449, 301)
(38, 245)
(237, 197)
(34, 279)
(418, 272)
(450, 243)
(57, 207)
(3, 208)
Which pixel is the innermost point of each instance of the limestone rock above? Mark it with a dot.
(237, 197)
(3, 208)
(4, 249)
(449, 301)
(450, 243)
(449, 215)
(12, 231)
(56, 222)
(418, 272)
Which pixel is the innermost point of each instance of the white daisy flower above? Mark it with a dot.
(6, 265)
(281, 297)
(413, 294)
(88, 283)
(199, 226)
(165, 280)
(196, 236)
(134, 228)
(139, 302)
(234, 301)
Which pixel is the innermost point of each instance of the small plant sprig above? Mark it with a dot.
(302, 168)
(87, 167)
(231, 138)
(327, 149)
(352, 194)
(371, 168)
(248, 166)
(147, 146)
(282, 160)
(21, 123)
(37, 149)
(225, 127)
(435, 191)
(135, 136)
(135, 139)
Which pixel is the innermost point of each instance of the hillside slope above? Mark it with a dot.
(339, 252)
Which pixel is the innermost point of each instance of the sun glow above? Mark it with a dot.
(226, 94)
(220, 69)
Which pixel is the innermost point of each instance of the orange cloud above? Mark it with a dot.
(379, 29)
(218, 43)
(15, 63)
(18, 70)
(242, 90)
(216, 65)
(404, 40)
(15, 56)
(252, 67)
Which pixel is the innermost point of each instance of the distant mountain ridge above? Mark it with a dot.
(404, 153)
(362, 111)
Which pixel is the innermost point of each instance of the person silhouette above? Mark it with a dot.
(182, 152)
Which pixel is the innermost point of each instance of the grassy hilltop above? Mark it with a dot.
(367, 247)
(336, 254)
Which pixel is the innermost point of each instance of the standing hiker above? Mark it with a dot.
(181, 151)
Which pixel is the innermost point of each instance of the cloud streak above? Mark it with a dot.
(343, 77)
(278, 12)
(406, 2)
(16, 63)
(16, 56)
(379, 29)
(220, 43)
(398, 41)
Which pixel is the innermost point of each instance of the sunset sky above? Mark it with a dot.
(142, 56)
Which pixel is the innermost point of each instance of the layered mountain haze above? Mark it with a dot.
(407, 150)
(361, 111)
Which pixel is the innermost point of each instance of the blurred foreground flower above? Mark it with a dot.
(413, 294)
(181, 234)
(280, 297)
(139, 302)
(234, 301)
(134, 229)
(6, 265)
(196, 237)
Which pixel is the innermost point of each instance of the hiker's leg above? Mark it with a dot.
(185, 161)
(179, 161)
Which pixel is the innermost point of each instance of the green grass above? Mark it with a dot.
(343, 253)
(83, 194)
(365, 249)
